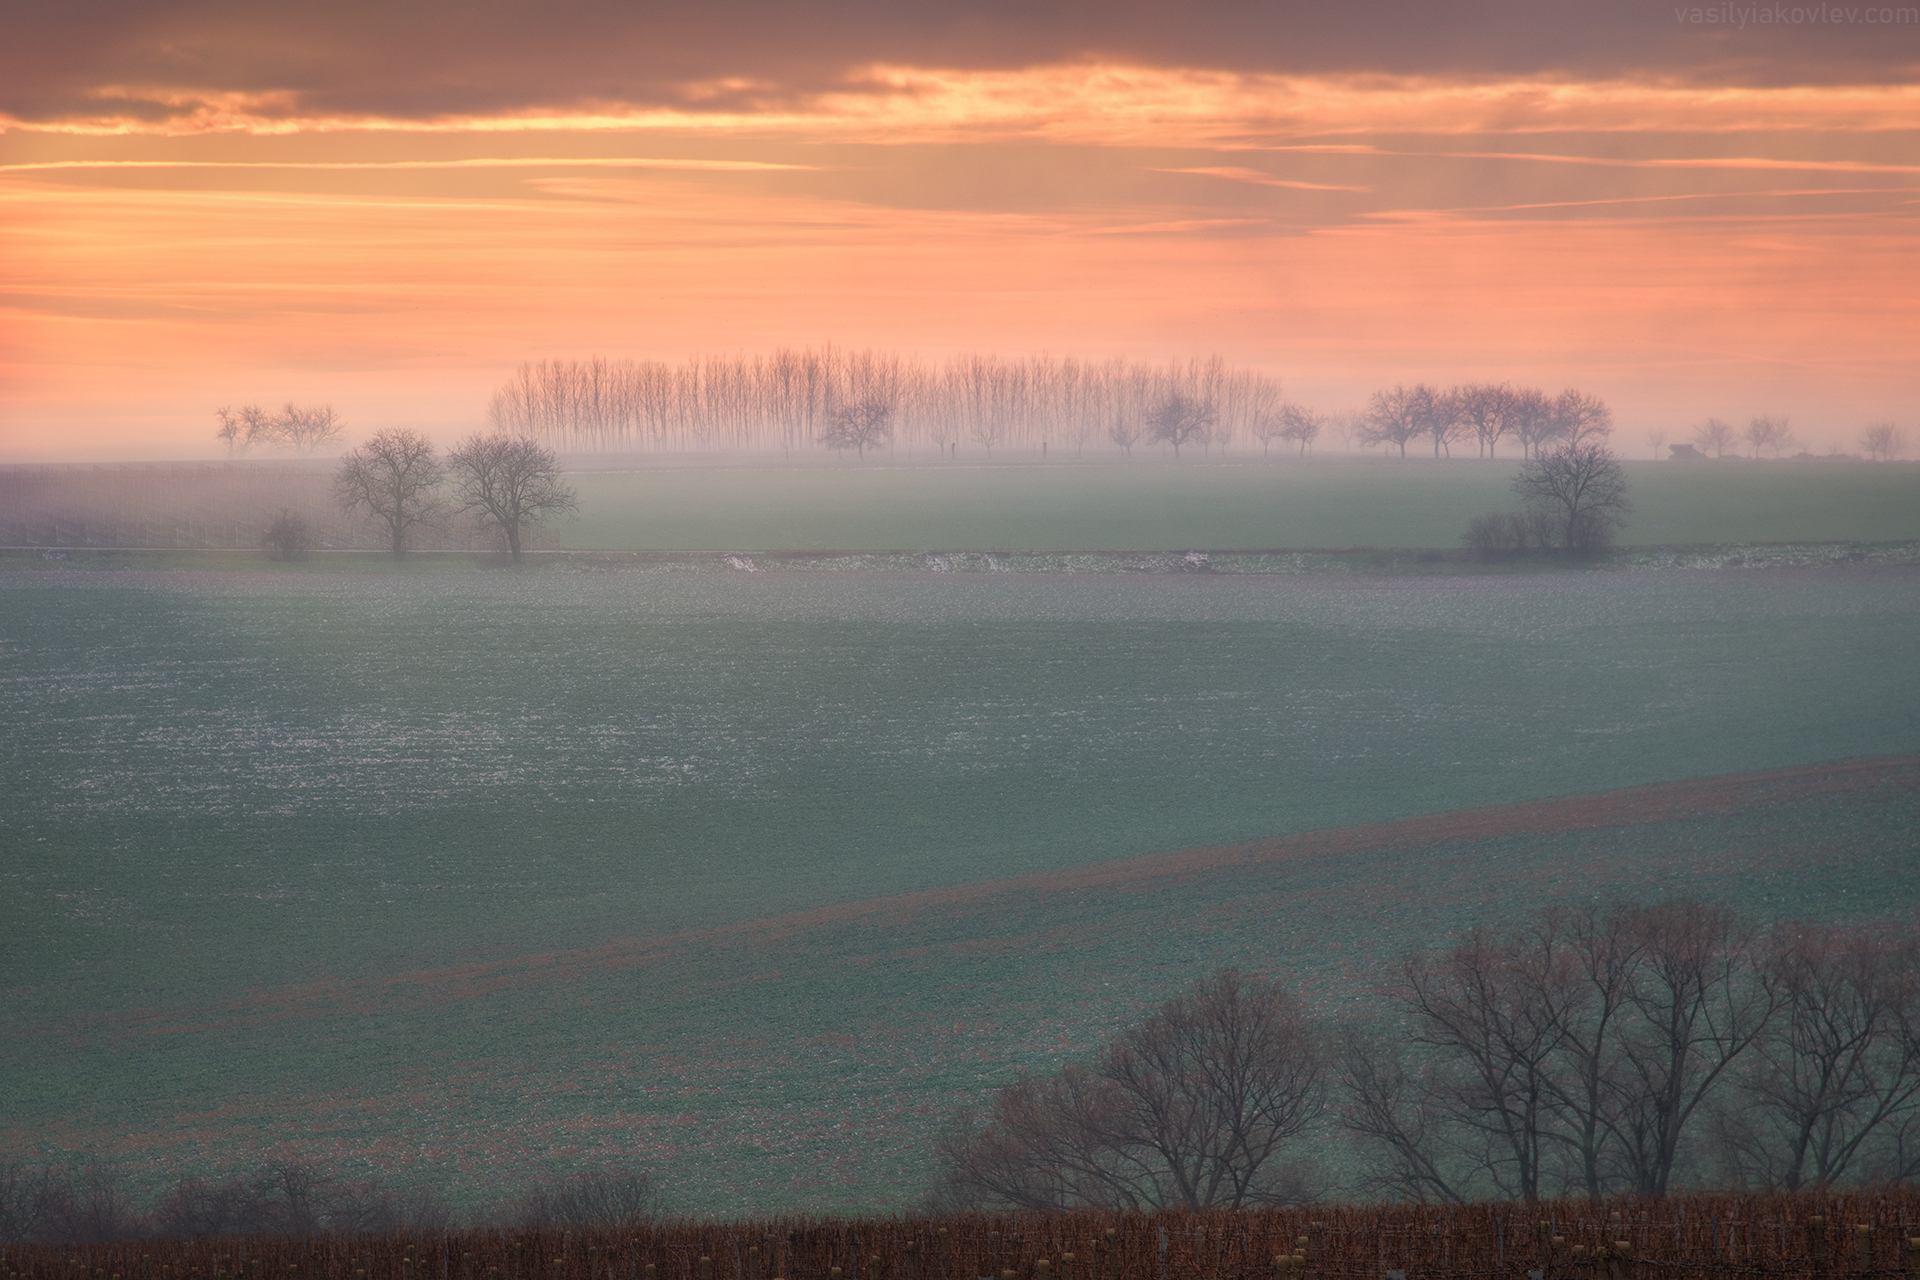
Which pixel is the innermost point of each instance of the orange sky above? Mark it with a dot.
(1681, 244)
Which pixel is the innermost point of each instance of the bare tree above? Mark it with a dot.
(240, 429)
(308, 428)
(1840, 1064)
(1190, 1108)
(1181, 417)
(1697, 1005)
(1770, 433)
(17, 1187)
(1486, 408)
(510, 482)
(1437, 413)
(1125, 430)
(1267, 428)
(1046, 1144)
(392, 477)
(84, 1205)
(1300, 424)
(231, 432)
(613, 1197)
(1713, 434)
(1399, 1111)
(1883, 442)
(1393, 418)
(1580, 418)
(1583, 488)
(1491, 1010)
(1531, 419)
(1657, 440)
(861, 425)
(202, 1207)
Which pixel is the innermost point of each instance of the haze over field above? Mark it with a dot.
(789, 609)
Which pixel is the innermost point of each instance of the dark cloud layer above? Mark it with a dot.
(428, 58)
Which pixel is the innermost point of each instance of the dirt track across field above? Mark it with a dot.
(1859, 781)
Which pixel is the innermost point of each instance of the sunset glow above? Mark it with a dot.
(1682, 249)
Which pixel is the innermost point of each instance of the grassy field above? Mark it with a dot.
(426, 871)
(756, 506)
(1347, 503)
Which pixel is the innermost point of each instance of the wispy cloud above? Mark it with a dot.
(500, 162)
(1259, 179)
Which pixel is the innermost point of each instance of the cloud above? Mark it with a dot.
(190, 64)
(1234, 174)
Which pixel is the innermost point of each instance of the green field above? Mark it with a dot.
(1347, 503)
(390, 868)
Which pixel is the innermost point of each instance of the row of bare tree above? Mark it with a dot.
(1591, 1052)
(1485, 413)
(797, 397)
(91, 1202)
(304, 428)
(1773, 434)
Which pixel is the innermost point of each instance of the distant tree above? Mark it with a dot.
(1531, 420)
(1267, 428)
(1300, 424)
(1657, 439)
(240, 429)
(1192, 1108)
(1770, 433)
(860, 425)
(1580, 418)
(392, 477)
(1714, 435)
(1181, 417)
(307, 429)
(1582, 487)
(510, 482)
(1125, 430)
(1437, 414)
(231, 432)
(1486, 409)
(1883, 442)
(287, 537)
(1393, 418)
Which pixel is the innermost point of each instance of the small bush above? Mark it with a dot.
(288, 537)
(1496, 534)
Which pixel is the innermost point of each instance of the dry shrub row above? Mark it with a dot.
(1721, 1237)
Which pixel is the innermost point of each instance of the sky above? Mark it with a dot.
(1689, 210)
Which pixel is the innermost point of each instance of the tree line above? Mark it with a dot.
(1630, 1050)
(1773, 434)
(1486, 414)
(796, 398)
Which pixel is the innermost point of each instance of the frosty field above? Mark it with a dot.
(426, 872)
